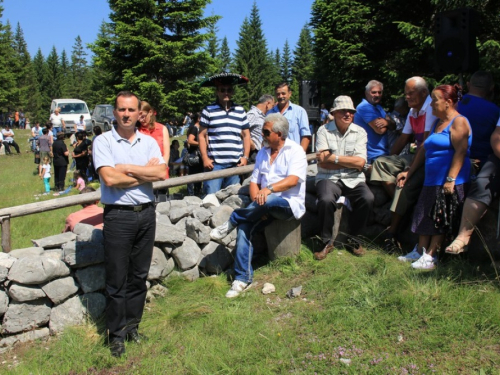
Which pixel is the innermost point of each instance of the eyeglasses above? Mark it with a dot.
(224, 91)
(346, 112)
(266, 133)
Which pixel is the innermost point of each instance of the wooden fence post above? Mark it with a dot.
(5, 223)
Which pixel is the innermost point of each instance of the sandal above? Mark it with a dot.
(456, 247)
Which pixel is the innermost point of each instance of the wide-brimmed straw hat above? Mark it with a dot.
(342, 102)
(225, 79)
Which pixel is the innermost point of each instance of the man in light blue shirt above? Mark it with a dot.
(298, 121)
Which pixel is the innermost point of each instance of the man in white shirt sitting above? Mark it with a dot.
(277, 189)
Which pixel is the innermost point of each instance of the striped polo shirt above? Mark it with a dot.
(225, 144)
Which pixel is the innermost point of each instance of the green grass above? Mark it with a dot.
(374, 311)
(378, 313)
(19, 185)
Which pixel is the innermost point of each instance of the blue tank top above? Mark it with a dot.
(438, 155)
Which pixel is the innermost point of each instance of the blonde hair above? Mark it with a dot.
(146, 107)
(46, 159)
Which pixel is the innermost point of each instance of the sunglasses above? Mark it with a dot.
(224, 91)
(266, 133)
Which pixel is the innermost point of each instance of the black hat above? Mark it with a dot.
(225, 79)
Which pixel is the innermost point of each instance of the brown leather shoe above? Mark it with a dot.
(323, 253)
(355, 247)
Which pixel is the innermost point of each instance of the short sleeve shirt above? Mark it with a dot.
(256, 121)
(56, 120)
(298, 122)
(291, 161)
(352, 143)
(378, 144)
(110, 149)
(225, 145)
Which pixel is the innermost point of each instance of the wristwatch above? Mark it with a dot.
(245, 157)
(336, 158)
(450, 179)
(270, 187)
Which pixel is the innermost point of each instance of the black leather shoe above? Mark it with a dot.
(117, 348)
(136, 337)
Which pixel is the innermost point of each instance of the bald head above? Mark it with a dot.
(481, 84)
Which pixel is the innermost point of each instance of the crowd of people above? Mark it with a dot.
(436, 155)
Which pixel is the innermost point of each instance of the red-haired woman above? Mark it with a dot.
(447, 169)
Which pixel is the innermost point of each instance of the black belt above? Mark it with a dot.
(137, 208)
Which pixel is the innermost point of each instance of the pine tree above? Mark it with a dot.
(53, 79)
(79, 72)
(225, 56)
(66, 76)
(156, 50)
(253, 61)
(303, 59)
(8, 65)
(286, 64)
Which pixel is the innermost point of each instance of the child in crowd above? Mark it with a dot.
(78, 180)
(44, 173)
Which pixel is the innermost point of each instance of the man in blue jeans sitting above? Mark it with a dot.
(224, 138)
(277, 189)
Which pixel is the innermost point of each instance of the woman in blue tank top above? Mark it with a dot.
(447, 169)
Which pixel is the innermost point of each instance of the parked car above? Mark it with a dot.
(71, 110)
(102, 116)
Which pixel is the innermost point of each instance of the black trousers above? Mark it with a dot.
(128, 247)
(7, 147)
(361, 198)
(60, 176)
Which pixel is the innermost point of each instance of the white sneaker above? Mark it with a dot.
(221, 231)
(412, 256)
(425, 262)
(236, 288)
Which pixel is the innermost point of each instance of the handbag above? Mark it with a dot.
(193, 159)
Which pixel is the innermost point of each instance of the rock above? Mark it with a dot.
(244, 190)
(283, 238)
(294, 292)
(164, 208)
(197, 231)
(381, 197)
(163, 219)
(181, 225)
(192, 200)
(169, 234)
(91, 278)
(83, 231)
(4, 271)
(37, 334)
(159, 290)
(166, 249)
(230, 190)
(311, 185)
(311, 203)
(237, 201)
(221, 215)
(21, 317)
(268, 288)
(27, 252)
(4, 302)
(82, 254)
(187, 255)
(310, 225)
(210, 200)
(60, 289)
(382, 215)
(6, 260)
(216, 258)
(202, 214)
(229, 238)
(25, 293)
(69, 313)
(345, 361)
(55, 241)
(37, 270)
(158, 269)
(192, 274)
(54, 254)
(178, 213)
(94, 304)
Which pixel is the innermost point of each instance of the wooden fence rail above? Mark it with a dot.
(54, 204)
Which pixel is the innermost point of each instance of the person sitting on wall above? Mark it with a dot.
(277, 189)
(91, 214)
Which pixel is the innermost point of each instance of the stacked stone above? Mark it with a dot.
(60, 281)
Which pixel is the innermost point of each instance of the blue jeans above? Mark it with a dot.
(253, 219)
(56, 130)
(213, 186)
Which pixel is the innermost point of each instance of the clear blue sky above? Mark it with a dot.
(48, 23)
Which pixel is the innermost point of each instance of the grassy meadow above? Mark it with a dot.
(369, 315)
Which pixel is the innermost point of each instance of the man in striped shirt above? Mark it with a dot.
(224, 138)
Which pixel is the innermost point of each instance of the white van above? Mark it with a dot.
(71, 110)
